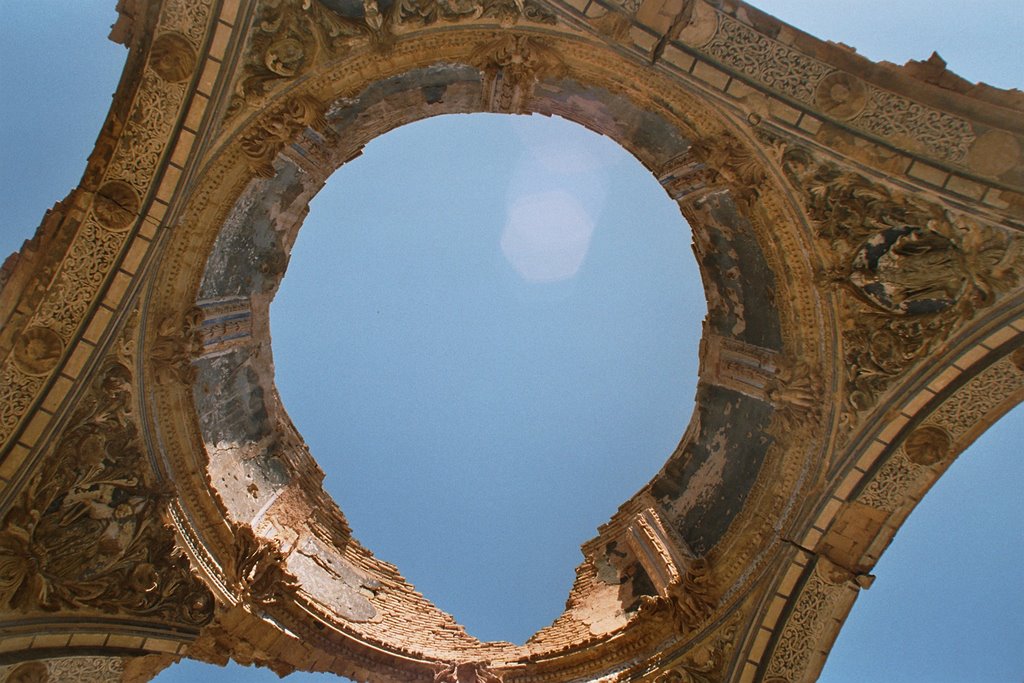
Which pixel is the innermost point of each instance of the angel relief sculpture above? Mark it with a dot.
(910, 270)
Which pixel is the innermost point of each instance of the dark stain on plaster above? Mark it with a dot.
(248, 256)
(701, 489)
(739, 283)
(648, 136)
(230, 400)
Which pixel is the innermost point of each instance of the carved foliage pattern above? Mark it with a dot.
(86, 532)
(290, 36)
(768, 61)
(146, 132)
(958, 415)
(892, 116)
(807, 625)
(16, 393)
(94, 250)
(884, 113)
(966, 409)
(917, 272)
(90, 258)
(92, 669)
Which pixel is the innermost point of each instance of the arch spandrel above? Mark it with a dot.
(837, 209)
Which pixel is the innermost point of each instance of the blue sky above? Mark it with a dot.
(516, 397)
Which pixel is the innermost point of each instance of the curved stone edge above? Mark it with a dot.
(830, 562)
(918, 122)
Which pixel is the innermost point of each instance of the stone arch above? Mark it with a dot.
(805, 162)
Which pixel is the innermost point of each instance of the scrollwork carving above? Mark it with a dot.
(258, 569)
(87, 531)
(176, 344)
(512, 65)
(917, 271)
(262, 143)
(508, 12)
(288, 36)
(688, 602)
(795, 391)
(466, 672)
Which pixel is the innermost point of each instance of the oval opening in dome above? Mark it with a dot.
(488, 337)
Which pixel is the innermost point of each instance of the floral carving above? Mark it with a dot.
(466, 672)
(86, 532)
(928, 445)
(37, 350)
(177, 343)
(269, 136)
(287, 38)
(795, 391)
(258, 569)
(917, 271)
(731, 161)
(290, 36)
(512, 65)
(508, 12)
(688, 602)
(768, 61)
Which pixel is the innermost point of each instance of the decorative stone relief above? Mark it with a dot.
(292, 35)
(512, 65)
(904, 122)
(809, 624)
(172, 57)
(263, 142)
(56, 669)
(765, 60)
(17, 390)
(469, 672)
(933, 442)
(145, 134)
(841, 95)
(928, 445)
(87, 533)
(37, 350)
(115, 206)
(920, 128)
(258, 569)
(508, 12)
(177, 343)
(919, 271)
(967, 408)
(682, 581)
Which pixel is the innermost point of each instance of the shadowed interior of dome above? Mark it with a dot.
(484, 317)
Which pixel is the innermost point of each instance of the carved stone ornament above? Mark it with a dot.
(258, 569)
(466, 672)
(175, 346)
(291, 35)
(37, 350)
(172, 57)
(87, 531)
(704, 665)
(928, 445)
(841, 95)
(795, 391)
(273, 132)
(511, 66)
(116, 206)
(920, 271)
